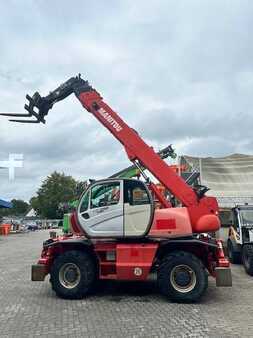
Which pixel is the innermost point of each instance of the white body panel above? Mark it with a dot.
(104, 221)
(136, 219)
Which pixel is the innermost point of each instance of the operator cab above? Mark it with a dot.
(116, 208)
(243, 222)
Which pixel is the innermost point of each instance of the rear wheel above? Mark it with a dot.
(73, 274)
(247, 258)
(182, 277)
(234, 256)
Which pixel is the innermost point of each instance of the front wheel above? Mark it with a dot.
(247, 258)
(73, 274)
(182, 277)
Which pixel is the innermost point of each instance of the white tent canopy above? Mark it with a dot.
(229, 178)
(31, 213)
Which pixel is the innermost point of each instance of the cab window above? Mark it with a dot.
(247, 217)
(235, 221)
(135, 193)
(105, 194)
(85, 202)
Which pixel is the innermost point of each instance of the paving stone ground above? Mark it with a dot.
(30, 309)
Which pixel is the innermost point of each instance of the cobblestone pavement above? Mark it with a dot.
(30, 309)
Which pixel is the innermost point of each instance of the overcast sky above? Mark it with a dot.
(178, 72)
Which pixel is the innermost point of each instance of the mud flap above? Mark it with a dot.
(38, 272)
(223, 276)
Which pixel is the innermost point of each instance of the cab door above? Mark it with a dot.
(100, 212)
(138, 208)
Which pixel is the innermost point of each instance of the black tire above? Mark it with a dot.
(194, 273)
(73, 274)
(247, 258)
(234, 256)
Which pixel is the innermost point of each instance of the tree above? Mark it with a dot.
(55, 189)
(19, 208)
(80, 188)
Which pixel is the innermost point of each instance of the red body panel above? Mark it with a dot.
(126, 261)
(77, 229)
(134, 261)
(171, 222)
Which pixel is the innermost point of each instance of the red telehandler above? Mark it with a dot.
(119, 235)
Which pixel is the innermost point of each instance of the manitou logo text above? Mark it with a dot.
(110, 119)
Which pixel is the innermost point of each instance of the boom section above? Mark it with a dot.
(136, 148)
(134, 145)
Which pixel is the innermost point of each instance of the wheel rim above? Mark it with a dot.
(183, 278)
(69, 275)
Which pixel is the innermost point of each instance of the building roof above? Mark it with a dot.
(31, 213)
(4, 204)
(229, 178)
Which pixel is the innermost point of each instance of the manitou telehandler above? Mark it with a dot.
(119, 234)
